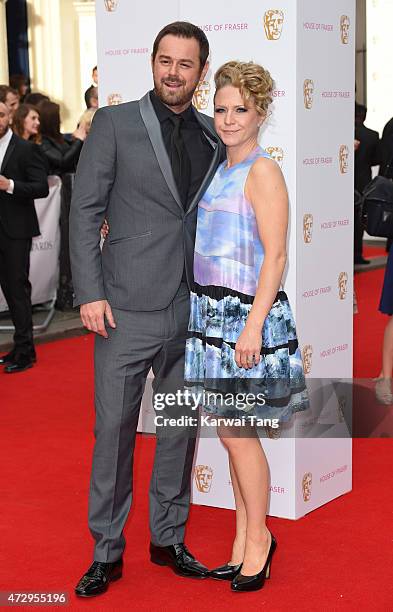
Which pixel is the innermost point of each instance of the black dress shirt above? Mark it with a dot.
(199, 150)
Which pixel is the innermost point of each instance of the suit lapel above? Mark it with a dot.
(8, 153)
(153, 128)
(216, 159)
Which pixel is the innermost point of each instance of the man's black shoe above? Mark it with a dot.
(97, 578)
(10, 357)
(361, 261)
(179, 558)
(19, 364)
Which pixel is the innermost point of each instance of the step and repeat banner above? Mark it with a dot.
(309, 48)
(44, 256)
(379, 71)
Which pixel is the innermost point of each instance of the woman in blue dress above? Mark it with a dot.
(383, 384)
(242, 350)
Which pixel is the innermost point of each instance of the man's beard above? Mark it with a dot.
(174, 98)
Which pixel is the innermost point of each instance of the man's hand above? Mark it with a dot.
(4, 183)
(93, 317)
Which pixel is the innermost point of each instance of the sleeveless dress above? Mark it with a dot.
(227, 262)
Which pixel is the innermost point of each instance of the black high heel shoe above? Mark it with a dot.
(225, 572)
(253, 583)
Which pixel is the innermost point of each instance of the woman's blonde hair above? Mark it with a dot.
(252, 80)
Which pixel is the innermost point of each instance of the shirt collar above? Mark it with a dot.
(6, 138)
(163, 112)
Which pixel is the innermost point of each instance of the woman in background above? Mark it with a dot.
(383, 384)
(62, 156)
(26, 123)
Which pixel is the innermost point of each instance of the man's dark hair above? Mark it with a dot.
(184, 29)
(91, 92)
(360, 113)
(5, 90)
(35, 98)
(95, 68)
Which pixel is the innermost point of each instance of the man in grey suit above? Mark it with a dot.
(144, 167)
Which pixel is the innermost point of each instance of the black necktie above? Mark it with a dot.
(181, 165)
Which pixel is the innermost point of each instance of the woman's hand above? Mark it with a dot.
(248, 347)
(80, 132)
(104, 229)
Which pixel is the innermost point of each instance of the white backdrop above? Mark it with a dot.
(379, 69)
(44, 256)
(308, 46)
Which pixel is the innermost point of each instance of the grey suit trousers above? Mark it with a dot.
(140, 341)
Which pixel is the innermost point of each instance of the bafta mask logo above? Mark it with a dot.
(277, 154)
(308, 223)
(343, 156)
(203, 478)
(344, 29)
(202, 95)
(273, 433)
(342, 285)
(273, 21)
(114, 99)
(341, 405)
(308, 93)
(306, 486)
(307, 358)
(111, 5)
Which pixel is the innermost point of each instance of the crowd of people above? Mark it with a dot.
(36, 118)
(32, 147)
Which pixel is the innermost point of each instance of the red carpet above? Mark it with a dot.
(369, 324)
(373, 251)
(339, 557)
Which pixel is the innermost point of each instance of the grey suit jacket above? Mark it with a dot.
(125, 175)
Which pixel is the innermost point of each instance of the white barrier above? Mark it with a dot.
(44, 256)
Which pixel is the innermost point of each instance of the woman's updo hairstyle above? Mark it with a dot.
(252, 80)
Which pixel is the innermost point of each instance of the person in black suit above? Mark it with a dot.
(366, 156)
(386, 148)
(22, 179)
